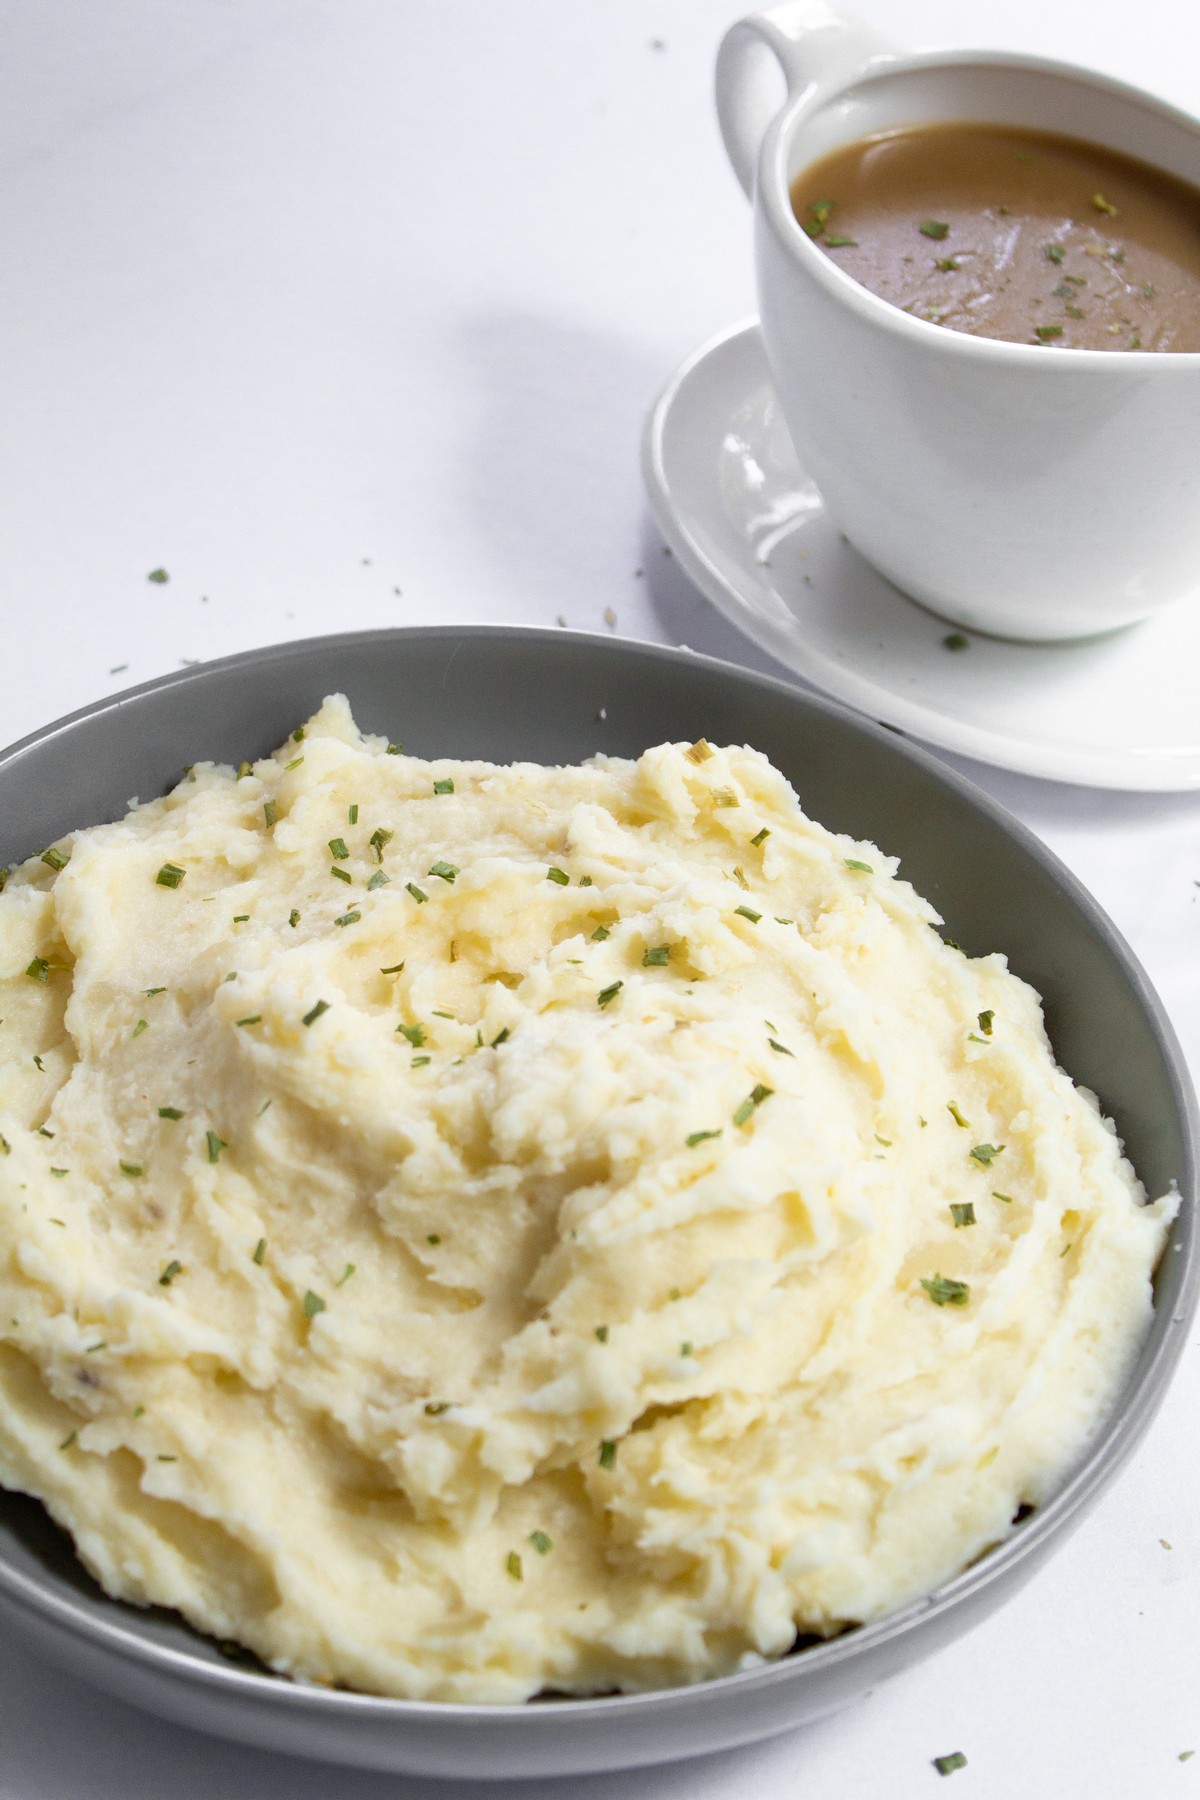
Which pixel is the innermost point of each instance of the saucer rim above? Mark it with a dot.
(1157, 770)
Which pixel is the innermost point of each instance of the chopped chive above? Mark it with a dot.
(739, 875)
(781, 1048)
(251, 1019)
(602, 1334)
(863, 868)
(437, 1014)
(724, 796)
(841, 243)
(379, 840)
(215, 1146)
(244, 769)
(558, 876)
(150, 992)
(886, 1142)
(963, 1214)
(260, 1252)
(609, 993)
(414, 1033)
(40, 1066)
(92, 1349)
(952, 1109)
(656, 958)
(943, 1291)
(585, 881)
(69, 1439)
(419, 1062)
(169, 1273)
(169, 1112)
(760, 837)
(54, 859)
(501, 1037)
(1045, 332)
(395, 750)
(433, 1237)
(341, 875)
(986, 1153)
(294, 918)
(60, 1172)
(39, 970)
(946, 1765)
(700, 751)
(444, 787)
(133, 1170)
(985, 1022)
(608, 1453)
(435, 1408)
(512, 1563)
(393, 970)
(379, 879)
(1053, 253)
(601, 932)
(956, 641)
(349, 918)
(313, 1304)
(752, 1102)
(748, 912)
(298, 735)
(162, 1458)
(699, 1137)
(1006, 1198)
(5, 1146)
(445, 870)
(416, 893)
(541, 1543)
(352, 814)
(685, 1349)
(310, 1018)
(170, 875)
(294, 764)
(934, 228)
(345, 1275)
(270, 813)
(337, 849)
(241, 918)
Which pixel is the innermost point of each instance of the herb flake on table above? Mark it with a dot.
(946, 1765)
(934, 228)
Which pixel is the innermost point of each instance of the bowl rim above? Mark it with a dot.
(1108, 1450)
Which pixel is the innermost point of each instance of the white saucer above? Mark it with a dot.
(751, 530)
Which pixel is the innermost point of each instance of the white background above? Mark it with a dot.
(348, 313)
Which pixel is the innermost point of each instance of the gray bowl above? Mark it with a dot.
(556, 697)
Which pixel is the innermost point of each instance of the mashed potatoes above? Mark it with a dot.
(471, 1230)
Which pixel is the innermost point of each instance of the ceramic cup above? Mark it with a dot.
(1026, 491)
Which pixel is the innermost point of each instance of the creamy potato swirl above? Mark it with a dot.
(466, 1231)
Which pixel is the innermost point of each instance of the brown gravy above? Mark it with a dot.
(1013, 234)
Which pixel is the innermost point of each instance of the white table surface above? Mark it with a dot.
(347, 313)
